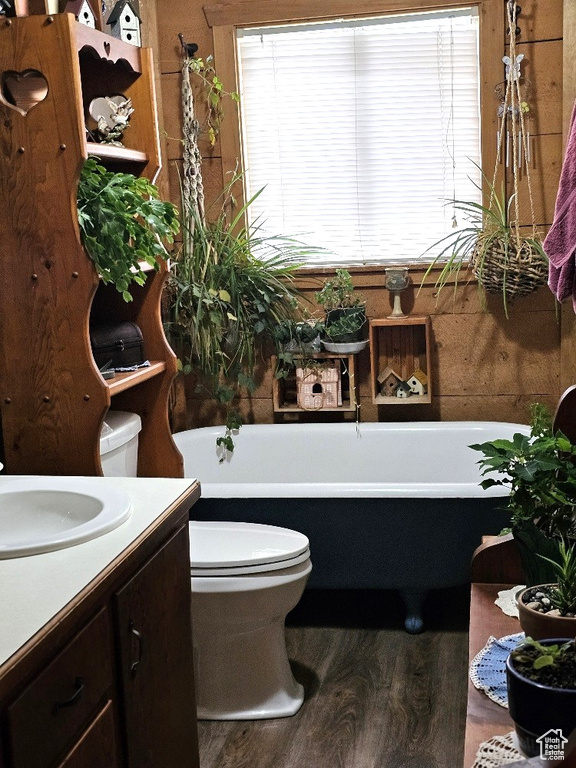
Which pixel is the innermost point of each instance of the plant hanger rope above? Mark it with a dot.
(514, 266)
(192, 184)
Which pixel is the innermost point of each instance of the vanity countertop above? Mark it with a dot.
(34, 589)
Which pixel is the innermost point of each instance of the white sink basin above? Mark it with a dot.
(41, 514)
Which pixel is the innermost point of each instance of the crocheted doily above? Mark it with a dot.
(506, 600)
(488, 668)
(497, 751)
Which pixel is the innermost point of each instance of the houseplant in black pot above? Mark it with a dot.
(345, 323)
(541, 681)
(539, 470)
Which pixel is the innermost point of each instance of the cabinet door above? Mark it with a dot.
(155, 642)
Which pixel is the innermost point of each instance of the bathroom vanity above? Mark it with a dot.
(95, 643)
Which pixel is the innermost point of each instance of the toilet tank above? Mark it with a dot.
(119, 444)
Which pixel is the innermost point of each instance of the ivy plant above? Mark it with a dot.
(123, 224)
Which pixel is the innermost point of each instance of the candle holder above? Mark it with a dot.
(397, 280)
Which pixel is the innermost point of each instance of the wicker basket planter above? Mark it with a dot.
(510, 267)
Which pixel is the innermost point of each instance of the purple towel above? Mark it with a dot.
(560, 242)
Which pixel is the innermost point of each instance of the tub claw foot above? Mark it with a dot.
(414, 601)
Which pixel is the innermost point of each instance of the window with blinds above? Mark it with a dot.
(361, 132)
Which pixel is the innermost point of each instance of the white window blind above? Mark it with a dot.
(360, 131)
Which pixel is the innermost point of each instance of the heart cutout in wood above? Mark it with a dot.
(23, 90)
(107, 48)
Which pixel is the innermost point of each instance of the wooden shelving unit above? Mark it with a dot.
(402, 344)
(284, 390)
(52, 397)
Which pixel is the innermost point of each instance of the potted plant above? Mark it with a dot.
(541, 681)
(345, 311)
(296, 340)
(549, 610)
(539, 470)
(122, 224)
(502, 258)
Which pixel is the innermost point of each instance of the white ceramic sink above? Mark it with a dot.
(41, 514)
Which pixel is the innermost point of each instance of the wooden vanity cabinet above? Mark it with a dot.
(110, 683)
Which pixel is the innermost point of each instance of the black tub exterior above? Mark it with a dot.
(410, 544)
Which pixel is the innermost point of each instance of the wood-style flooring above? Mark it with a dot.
(376, 697)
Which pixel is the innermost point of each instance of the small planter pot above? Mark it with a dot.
(540, 626)
(536, 708)
(357, 315)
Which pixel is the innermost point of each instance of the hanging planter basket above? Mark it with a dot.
(510, 267)
(492, 245)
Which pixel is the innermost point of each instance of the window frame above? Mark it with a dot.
(224, 18)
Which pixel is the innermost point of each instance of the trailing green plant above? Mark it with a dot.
(231, 285)
(122, 224)
(339, 293)
(213, 93)
(539, 471)
(563, 596)
(348, 323)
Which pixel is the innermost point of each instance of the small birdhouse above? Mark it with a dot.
(125, 23)
(389, 381)
(319, 387)
(418, 382)
(83, 12)
(403, 390)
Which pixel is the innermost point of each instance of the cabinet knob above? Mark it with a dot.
(79, 688)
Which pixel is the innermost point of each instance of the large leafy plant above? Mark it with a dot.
(539, 471)
(122, 224)
(230, 287)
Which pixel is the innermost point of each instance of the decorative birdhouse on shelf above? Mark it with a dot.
(389, 382)
(418, 382)
(403, 390)
(319, 387)
(84, 13)
(125, 23)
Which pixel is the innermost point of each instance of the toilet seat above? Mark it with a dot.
(236, 549)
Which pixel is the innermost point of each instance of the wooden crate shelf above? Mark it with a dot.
(284, 390)
(402, 344)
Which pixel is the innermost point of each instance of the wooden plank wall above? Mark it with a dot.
(484, 366)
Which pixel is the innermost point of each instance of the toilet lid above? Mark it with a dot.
(252, 547)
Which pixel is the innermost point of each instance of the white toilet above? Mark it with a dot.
(245, 579)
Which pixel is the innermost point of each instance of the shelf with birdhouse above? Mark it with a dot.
(319, 382)
(400, 360)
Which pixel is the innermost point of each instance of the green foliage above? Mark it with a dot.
(541, 655)
(349, 323)
(122, 223)
(539, 470)
(339, 293)
(489, 227)
(213, 94)
(294, 339)
(229, 288)
(564, 595)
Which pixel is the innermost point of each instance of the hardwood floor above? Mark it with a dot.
(376, 697)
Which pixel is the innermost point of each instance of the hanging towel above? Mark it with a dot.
(560, 242)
